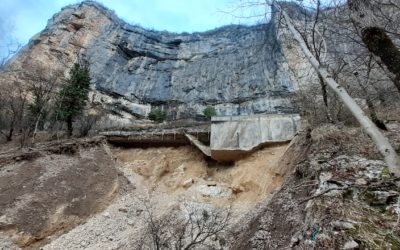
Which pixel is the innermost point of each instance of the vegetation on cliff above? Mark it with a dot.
(73, 96)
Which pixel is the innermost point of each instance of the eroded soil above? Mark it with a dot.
(93, 197)
(54, 193)
(184, 171)
(174, 179)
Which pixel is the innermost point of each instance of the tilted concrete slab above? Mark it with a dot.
(234, 136)
(203, 148)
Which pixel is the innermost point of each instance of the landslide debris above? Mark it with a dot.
(53, 192)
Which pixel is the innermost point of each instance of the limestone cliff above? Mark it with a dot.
(238, 69)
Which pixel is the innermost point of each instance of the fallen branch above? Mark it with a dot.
(306, 184)
(322, 193)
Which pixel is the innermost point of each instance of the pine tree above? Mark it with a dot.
(73, 96)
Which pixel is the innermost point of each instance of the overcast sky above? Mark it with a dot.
(22, 19)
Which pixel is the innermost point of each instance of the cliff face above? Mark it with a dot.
(237, 69)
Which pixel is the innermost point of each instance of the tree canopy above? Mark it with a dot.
(74, 95)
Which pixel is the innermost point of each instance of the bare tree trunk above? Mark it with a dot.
(380, 44)
(373, 114)
(37, 124)
(69, 127)
(382, 143)
(375, 38)
(10, 134)
(36, 128)
(325, 97)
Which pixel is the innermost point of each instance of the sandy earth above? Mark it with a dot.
(94, 198)
(97, 197)
(159, 176)
(54, 193)
(169, 170)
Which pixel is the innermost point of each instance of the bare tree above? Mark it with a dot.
(89, 121)
(364, 83)
(41, 84)
(13, 101)
(198, 229)
(11, 50)
(317, 44)
(370, 128)
(5, 58)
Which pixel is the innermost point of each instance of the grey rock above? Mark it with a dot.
(323, 236)
(240, 70)
(350, 245)
(377, 198)
(294, 241)
(139, 212)
(230, 67)
(84, 243)
(361, 181)
(342, 225)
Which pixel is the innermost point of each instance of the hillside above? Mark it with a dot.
(113, 136)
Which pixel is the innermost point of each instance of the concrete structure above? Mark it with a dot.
(234, 136)
(203, 148)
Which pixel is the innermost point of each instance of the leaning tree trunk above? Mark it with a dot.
(69, 126)
(325, 98)
(10, 134)
(382, 143)
(375, 37)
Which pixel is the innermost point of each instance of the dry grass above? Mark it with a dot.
(343, 140)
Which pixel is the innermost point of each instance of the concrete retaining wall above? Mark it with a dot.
(231, 136)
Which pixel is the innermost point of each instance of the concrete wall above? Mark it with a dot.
(235, 134)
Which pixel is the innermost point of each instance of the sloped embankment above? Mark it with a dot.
(53, 192)
(175, 178)
(184, 172)
(65, 197)
(339, 196)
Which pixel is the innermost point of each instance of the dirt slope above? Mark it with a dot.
(54, 193)
(169, 171)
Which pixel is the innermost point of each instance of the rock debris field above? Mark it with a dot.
(98, 196)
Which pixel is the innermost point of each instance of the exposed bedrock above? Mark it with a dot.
(238, 69)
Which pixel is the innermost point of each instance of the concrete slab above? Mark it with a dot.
(233, 136)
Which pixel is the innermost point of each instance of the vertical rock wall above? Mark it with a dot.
(239, 70)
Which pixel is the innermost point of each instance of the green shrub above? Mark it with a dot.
(209, 112)
(157, 115)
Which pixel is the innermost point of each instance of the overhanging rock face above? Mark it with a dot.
(234, 136)
(239, 70)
